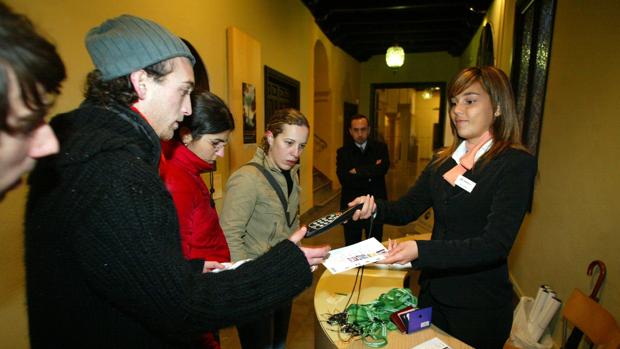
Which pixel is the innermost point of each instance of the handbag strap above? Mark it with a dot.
(276, 187)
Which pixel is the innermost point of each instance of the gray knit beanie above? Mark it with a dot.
(122, 45)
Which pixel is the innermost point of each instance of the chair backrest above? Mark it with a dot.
(614, 343)
(592, 319)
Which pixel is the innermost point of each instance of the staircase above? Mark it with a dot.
(322, 188)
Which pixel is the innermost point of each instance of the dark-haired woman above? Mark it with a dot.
(479, 189)
(199, 141)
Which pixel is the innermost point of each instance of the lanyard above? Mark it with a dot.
(373, 319)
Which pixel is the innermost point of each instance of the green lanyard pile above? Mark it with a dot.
(372, 320)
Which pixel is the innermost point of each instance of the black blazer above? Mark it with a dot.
(370, 176)
(465, 262)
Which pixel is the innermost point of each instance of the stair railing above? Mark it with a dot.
(320, 143)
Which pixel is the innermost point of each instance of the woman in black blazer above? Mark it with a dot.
(479, 188)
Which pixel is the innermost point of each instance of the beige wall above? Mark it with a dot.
(286, 32)
(324, 146)
(575, 217)
(13, 325)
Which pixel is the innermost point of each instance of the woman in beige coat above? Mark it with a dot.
(253, 217)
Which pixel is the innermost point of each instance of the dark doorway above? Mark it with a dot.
(281, 92)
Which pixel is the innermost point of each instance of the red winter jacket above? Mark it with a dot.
(201, 235)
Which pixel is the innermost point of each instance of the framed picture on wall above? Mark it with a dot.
(249, 113)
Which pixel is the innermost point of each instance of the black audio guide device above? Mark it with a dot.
(329, 221)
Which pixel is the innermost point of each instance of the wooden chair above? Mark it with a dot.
(592, 319)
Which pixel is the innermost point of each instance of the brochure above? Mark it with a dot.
(353, 256)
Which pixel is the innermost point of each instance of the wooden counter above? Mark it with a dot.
(332, 293)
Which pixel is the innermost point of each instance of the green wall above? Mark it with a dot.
(418, 67)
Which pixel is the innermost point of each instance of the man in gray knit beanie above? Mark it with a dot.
(104, 265)
(124, 44)
(140, 59)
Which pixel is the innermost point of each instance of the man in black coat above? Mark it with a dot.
(361, 166)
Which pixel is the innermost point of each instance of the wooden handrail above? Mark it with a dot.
(321, 144)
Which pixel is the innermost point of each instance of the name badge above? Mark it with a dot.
(465, 183)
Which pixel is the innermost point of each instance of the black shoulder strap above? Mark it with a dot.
(277, 189)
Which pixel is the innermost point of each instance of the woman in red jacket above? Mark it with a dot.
(198, 142)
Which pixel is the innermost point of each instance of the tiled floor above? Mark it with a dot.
(301, 327)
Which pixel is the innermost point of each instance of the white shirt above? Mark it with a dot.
(361, 146)
(462, 150)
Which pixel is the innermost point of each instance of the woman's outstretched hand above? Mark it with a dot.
(401, 253)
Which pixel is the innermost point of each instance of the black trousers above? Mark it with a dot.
(353, 231)
(480, 328)
(266, 332)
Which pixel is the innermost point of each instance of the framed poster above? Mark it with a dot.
(249, 113)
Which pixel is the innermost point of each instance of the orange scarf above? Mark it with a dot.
(467, 161)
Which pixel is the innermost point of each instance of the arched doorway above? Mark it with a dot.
(324, 172)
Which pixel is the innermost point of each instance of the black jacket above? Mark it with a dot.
(104, 265)
(465, 262)
(370, 176)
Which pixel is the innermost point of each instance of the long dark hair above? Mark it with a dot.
(210, 115)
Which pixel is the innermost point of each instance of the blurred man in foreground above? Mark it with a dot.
(31, 72)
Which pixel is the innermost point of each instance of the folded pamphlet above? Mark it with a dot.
(356, 255)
